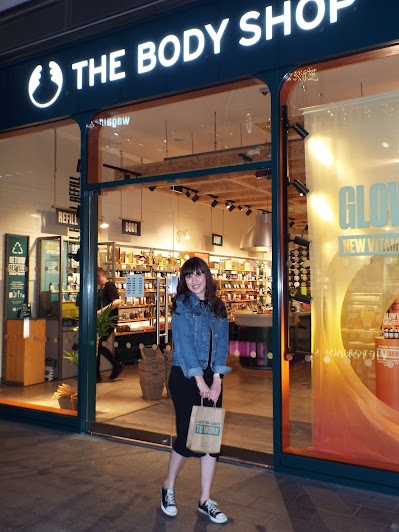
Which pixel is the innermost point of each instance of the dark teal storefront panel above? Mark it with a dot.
(359, 25)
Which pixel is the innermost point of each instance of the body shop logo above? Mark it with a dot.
(45, 84)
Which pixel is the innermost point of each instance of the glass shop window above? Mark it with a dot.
(39, 197)
(227, 127)
(343, 273)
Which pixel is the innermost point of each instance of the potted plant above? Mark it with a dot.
(67, 396)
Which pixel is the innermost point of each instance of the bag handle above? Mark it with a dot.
(202, 402)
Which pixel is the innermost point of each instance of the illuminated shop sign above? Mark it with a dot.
(253, 27)
(382, 212)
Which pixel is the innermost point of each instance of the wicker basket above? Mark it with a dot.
(151, 373)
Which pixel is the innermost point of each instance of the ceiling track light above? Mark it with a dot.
(215, 200)
(292, 222)
(264, 172)
(152, 188)
(239, 208)
(188, 194)
(302, 132)
(232, 207)
(248, 212)
(177, 188)
(195, 197)
(301, 241)
(301, 188)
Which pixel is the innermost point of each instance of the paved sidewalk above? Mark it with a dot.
(52, 481)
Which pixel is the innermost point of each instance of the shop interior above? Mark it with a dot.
(220, 212)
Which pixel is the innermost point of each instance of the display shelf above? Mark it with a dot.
(139, 306)
(131, 320)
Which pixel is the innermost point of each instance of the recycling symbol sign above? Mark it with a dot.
(17, 249)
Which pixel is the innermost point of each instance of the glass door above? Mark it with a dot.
(213, 201)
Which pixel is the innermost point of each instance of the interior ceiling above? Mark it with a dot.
(214, 130)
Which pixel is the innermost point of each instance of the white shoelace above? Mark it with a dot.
(212, 506)
(170, 497)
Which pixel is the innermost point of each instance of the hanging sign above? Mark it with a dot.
(130, 227)
(134, 285)
(16, 274)
(217, 240)
(67, 217)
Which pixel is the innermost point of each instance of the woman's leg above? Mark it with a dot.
(175, 462)
(208, 464)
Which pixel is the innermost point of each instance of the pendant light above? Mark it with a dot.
(259, 236)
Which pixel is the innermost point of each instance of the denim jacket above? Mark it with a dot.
(192, 325)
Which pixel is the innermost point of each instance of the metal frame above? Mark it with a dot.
(383, 32)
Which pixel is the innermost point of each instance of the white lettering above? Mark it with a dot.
(197, 34)
(79, 75)
(335, 5)
(172, 39)
(251, 28)
(302, 23)
(102, 69)
(146, 54)
(217, 36)
(285, 19)
(114, 65)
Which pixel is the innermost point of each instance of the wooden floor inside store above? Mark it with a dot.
(247, 399)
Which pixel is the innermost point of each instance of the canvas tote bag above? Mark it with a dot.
(205, 430)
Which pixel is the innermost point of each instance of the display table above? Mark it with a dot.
(254, 339)
(255, 336)
(387, 371)
(25, 357)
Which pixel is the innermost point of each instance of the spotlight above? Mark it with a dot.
(301, 241)
(292, 223)
(300, 130)
(266, 172)
(214, 203)
(188, 193)
(227, 204)
(301, 188)
(302, 299)
(245, 157)
(152, 188)
(195, 197)
(249, 210)
(239, 208)
(231, 207)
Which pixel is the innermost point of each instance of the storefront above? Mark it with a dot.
(262, 139)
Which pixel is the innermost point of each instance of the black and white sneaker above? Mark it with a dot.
(168, 503)
(210, 508)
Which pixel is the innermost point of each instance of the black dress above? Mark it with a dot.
(185, 395)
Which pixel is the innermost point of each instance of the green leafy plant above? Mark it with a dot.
(72, 356)
(105, 322)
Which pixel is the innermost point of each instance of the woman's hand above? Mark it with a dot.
(215, 389)
(203, 388)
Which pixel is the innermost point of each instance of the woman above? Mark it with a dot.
(200, 334)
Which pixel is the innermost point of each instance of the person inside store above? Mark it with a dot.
(200, 330)
(107, 296)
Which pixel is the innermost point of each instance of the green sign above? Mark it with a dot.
(16, 274)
